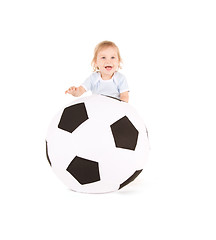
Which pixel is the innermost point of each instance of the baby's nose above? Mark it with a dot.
(108, 61)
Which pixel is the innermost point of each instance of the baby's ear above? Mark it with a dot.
(94, 65)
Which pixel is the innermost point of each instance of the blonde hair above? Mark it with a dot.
(99, 47)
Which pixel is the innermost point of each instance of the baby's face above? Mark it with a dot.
(107, 62)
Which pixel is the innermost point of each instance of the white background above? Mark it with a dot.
(169, 54)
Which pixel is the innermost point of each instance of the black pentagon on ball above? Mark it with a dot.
(130, 179)
(125, 134)
(112, 97)
(72, 117)
(84, 171)
(47, 154)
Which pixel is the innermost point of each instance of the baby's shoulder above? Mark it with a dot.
(94, 76)
(119, 77)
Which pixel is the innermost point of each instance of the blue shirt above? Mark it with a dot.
(112, 87)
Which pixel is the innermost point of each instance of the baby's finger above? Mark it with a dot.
(71, 90)
(68, 91)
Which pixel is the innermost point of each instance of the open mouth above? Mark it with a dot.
(108, 68)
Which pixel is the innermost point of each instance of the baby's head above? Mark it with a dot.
(102, 46)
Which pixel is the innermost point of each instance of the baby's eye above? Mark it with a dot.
(102, 57)
(113, 57)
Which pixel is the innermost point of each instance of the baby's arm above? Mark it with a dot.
(124, 96)
(76, 91)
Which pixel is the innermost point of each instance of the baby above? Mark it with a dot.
(105, 80)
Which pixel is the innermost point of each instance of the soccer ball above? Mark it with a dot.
(97, 144)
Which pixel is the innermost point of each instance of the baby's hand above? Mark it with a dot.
(72, 91)
(76, 91)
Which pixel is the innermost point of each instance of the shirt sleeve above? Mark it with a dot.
(123, 85)
(87, 83)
